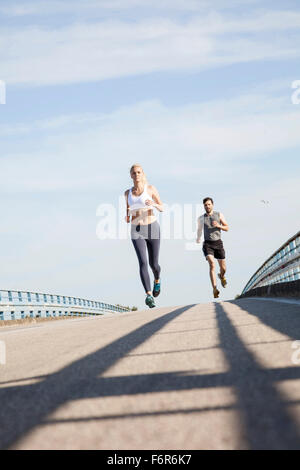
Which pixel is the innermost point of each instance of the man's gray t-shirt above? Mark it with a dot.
(211, 233)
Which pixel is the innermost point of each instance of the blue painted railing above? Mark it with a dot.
(23, 304)
(282, 266)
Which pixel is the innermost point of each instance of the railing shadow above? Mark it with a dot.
(282, 317)
(267, 424)
(24, 407)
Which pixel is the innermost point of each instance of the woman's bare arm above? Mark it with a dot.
(127, 217)
(156, 198)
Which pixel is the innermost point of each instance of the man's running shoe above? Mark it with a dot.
(223, 280)
(150, 301)
(216, 293)
(156, 289)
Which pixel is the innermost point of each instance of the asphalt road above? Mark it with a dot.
(223, 375)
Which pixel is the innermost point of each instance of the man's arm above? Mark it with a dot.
(223, 225)
(200, 229)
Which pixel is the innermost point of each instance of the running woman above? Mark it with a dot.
(145, 229)
(213, 222)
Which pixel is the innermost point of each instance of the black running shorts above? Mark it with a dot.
(214, 248)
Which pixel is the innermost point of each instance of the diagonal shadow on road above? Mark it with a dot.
(267, 424)
(24, 407)
(282, 317)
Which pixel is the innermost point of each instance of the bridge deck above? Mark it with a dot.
(208, 376)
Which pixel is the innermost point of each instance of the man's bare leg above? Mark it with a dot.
(222, 264)
(212, 274)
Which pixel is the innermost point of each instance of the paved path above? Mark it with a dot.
(210, 376)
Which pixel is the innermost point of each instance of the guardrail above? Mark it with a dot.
(16, 305)
(283, 266)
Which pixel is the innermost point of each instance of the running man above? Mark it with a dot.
(145, 229)
(213, 222)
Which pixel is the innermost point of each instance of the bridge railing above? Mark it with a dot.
(282, 266)
(23, 304)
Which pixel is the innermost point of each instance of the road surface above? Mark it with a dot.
(223, 375)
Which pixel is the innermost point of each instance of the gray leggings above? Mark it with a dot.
(147, 238)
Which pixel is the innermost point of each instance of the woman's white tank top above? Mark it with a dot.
(138, 202)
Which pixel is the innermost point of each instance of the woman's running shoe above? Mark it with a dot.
(156, 289)
(223, 280)
(150, 301)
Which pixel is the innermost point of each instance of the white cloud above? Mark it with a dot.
(54, 7)
(77, 151)
(107, 49)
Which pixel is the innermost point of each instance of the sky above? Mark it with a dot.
(198, 92)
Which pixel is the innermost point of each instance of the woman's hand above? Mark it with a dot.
(149, 202)
(127, 219)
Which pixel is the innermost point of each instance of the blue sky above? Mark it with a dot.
(198, 92)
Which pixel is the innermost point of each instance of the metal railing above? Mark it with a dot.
(23, 304)
(282, 266)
